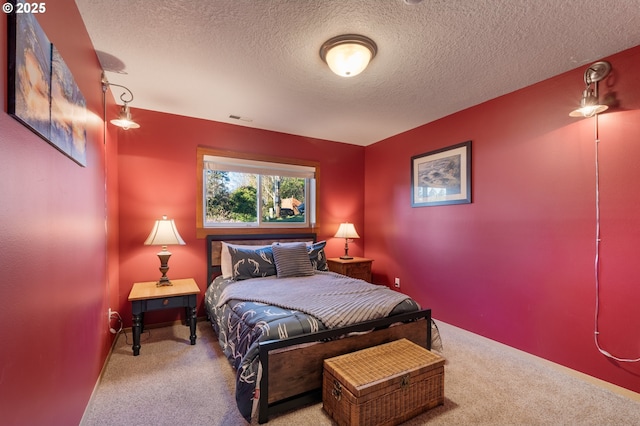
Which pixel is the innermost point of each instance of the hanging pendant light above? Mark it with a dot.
(590, 103)
(124, 117)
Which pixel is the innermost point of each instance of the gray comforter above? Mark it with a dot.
(241, 324)
(325, 295)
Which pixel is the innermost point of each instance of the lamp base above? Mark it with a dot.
(164, 256)
(346, 250)
(164, 281)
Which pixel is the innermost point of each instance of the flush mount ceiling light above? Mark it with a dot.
(590, 103)
(124, 117)
(348, 55)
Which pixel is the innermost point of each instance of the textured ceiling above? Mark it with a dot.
(258, 59)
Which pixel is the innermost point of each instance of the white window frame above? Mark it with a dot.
(211, 159)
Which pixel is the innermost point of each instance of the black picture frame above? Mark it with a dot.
(42, 93)
(442, 177)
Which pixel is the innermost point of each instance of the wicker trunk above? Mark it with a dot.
(383, 385)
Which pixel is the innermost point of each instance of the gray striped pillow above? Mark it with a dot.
(292, 260)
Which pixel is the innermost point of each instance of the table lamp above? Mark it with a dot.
(346, 231)
(164, 233)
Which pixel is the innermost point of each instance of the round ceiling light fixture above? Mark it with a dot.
(348, 55)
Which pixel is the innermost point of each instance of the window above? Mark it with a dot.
(245, 192)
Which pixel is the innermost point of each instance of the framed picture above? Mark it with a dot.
(29, 74)
(68, 111)
(42, 93)
(442, 176)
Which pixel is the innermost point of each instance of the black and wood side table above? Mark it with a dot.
(147, 296)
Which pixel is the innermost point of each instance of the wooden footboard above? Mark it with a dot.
(292, 368)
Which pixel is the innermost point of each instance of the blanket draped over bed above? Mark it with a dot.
(333, 299)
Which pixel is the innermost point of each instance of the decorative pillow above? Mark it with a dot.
(317, 256)
(251, 263)
(226, 265)
(292, 260)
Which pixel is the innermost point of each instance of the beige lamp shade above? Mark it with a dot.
(347, 230)
(164, 233)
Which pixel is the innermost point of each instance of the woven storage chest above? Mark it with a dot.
(383, 385)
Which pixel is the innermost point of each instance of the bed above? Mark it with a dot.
(276, 335)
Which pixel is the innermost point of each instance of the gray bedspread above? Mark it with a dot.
(333, 298)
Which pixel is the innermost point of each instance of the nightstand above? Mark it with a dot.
(147, 296)
(358, 267)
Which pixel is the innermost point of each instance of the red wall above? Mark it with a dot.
(157, 174)
(517, 264)
(53, 291)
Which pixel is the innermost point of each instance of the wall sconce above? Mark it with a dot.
(348, 55)
(124, 117)
(590, 103)
(346, 231)
(164, 233)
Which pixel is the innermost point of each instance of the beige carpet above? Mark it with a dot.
(486, 383)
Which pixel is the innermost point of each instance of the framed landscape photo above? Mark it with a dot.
(29, 74)
(42, 93)
(442, 176)
(68, 111)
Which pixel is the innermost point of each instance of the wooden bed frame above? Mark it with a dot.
(292, 367)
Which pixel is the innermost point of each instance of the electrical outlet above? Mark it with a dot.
(111, 329)
(397, 282)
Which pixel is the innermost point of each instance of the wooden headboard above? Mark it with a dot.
(214, 246)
